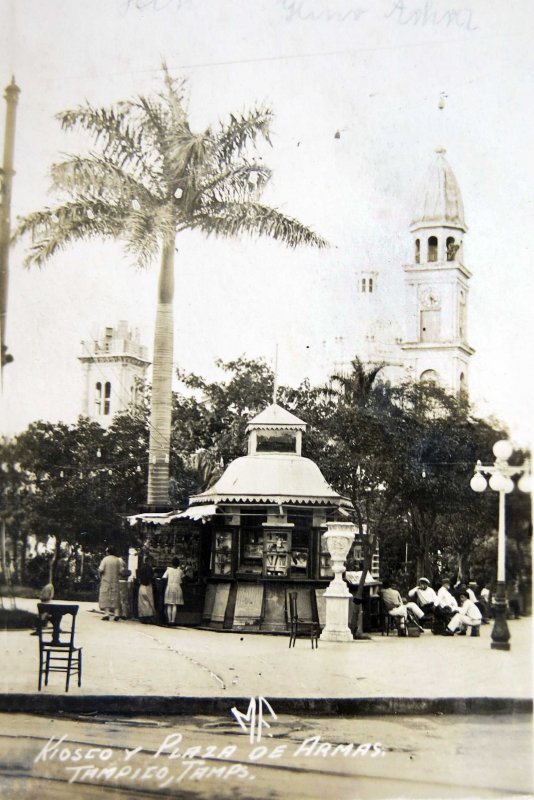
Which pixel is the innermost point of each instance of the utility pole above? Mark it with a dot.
(11, 95)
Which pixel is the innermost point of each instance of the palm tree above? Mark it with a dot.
(353, 391)
(354, 388)
(149, 178)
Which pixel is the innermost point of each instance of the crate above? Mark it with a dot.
(413, 631)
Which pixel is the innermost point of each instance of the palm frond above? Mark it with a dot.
(186, 155)
(143, 232)
(114, 129)
(238, 182)
(175, 98)
(103, 178)
(230, 219)
(155, 119)
(235, 136)
(53, 229)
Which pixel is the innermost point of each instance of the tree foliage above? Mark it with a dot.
(404, 455)
(150, 177)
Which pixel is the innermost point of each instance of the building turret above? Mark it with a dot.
(112, 366)
(436, 283)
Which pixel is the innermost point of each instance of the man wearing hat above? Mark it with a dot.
(424, 595)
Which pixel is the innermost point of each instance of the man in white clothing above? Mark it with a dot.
(445, 606)
(425, 595)
(467, 616)
(444, 599)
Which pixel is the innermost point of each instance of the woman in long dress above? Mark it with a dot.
(110, 570)
(146, 609)
(174, 595)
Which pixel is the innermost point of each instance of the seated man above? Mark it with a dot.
(444, 607)
(396, 608)
(471, 593)
(425, 596)
(467, 616)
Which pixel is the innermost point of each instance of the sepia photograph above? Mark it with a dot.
(266, 299)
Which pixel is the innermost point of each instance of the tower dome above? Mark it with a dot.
(441, 201)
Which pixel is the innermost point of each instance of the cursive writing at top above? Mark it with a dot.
(430, 14)
(305, 11)
(152, 5)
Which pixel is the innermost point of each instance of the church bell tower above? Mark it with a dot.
(436, 284)
(113, 366)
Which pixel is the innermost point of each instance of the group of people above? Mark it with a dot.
(447, 612)
(114, 583)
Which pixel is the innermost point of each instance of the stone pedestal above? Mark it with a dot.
(338, 539)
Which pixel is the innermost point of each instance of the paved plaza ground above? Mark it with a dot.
(129, 659)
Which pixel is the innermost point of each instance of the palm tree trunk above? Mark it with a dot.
(161, 403)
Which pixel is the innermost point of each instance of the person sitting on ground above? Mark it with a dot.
(467, 616)
(425, 596)
(396, 608)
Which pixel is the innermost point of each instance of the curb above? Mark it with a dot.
(156, 705)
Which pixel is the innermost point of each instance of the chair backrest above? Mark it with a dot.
(293, 613)
(55, 613)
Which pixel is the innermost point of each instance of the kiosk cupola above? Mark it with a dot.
(275, 430)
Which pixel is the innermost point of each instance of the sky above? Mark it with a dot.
(372, 70)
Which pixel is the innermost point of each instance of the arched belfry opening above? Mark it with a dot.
(452, 248)
(432, 248)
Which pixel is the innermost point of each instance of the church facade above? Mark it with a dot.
(427, 338)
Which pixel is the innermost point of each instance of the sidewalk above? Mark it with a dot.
(131, 667)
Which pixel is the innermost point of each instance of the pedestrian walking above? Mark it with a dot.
(174, 595)
(110, 569)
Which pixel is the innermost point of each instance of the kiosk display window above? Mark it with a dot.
(276, 551)
(222, 553)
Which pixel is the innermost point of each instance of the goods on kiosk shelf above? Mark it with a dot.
(163, 547)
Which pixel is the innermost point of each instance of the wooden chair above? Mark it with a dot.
(57, 651)
(300, 627)
(387, 622)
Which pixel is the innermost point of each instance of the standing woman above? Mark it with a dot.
(146, 609)
(173, 593)
(110, 570)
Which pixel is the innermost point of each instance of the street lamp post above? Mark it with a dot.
(501, 474)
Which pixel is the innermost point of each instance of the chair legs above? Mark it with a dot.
(73, 664)
(294, 632)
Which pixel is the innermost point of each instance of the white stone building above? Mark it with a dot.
(112, 367)
(420, 333)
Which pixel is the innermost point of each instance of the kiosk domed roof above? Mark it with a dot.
(273, 478)
(441, 201)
